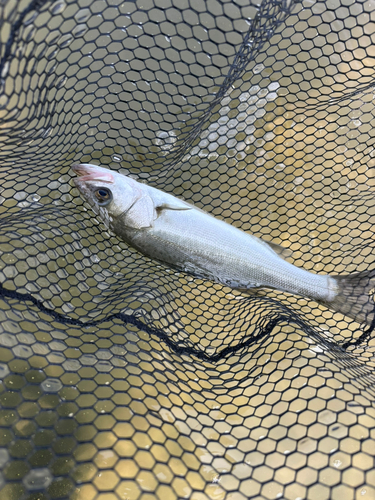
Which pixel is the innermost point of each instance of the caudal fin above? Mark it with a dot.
(356, 295)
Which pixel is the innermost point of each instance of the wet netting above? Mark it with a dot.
(121, 378)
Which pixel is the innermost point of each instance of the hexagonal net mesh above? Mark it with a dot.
(122, 378)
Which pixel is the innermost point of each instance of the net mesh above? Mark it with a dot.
(121, 378)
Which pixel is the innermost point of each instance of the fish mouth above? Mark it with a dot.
(80, 169)
(87, 172)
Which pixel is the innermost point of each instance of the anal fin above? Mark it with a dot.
(280, 250)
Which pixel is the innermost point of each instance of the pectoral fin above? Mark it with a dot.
(174, 205)
(141, 214)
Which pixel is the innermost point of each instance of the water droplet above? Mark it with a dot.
(52, 53)
(258, 69)
(47, 132)
(116, 158)
(4, 370)
(37, 479)
(30, 19)
(4, 457)
(21, 195)
(79, 30)
(29, 33)
(65, 40)
(82, 15)
(35, 197)
(51, 385)
(271, 96)
(61, 82)
(57, 8)
(262, 92)
(52, 38)
(273, 86)
(298, 180)
(20, 51)
(5, 69)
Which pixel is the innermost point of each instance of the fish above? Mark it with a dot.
(182, 236)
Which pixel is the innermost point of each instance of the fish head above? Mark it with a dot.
(109, 193)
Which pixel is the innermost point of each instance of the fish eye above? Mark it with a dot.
(104, 196)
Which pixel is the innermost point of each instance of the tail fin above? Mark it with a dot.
(356, 296)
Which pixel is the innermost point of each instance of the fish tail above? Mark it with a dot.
(355, 296)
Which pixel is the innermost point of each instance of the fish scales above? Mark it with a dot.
(197, 243)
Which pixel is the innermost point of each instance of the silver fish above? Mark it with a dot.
(174, 232)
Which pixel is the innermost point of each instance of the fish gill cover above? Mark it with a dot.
(122, 378)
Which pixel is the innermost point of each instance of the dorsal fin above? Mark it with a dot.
(173, 206)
